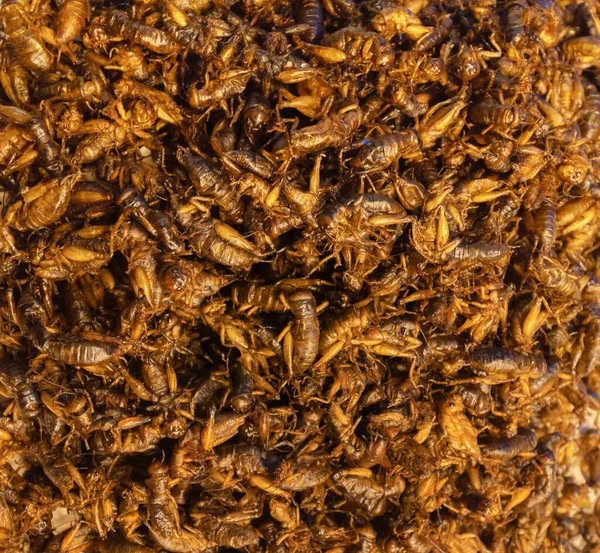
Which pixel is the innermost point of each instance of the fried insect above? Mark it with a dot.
(120, 26)
(524, 441)
(228, 85)
(504, 363)
(299, 276)
(304, 333)
(379, 153)
(24, 38)
(328, 133)
(71, 20)
(49, 150)
(209, 181)
(42, 205)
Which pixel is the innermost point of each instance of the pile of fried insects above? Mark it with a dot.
(298, 276)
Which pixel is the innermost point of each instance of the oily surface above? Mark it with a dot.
(299, 276)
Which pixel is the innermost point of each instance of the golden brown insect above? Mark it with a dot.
(25, 393)
(359, 485)
(238, 160)
(15, 80)
(120, 26)
(71, 20)
(440, 119)
(391, 19)
(158, 223)
(223, 244)
(504, 363)
(435, 36)
(361, 47)
(166, 108)
(586, 354)
(353, 319)
(377, 154)
(201, 34)
(78, 89)
(209, 181)
(80, 352)
(461, 434)
(228, 534)
(552, 275)
(304, 333)
(49, 150)
(187, 283)
(165, 526)
(467, 65)
(267, 298)
(488, 112)
(42, 205)
(480, 253)
(227, 85)
(24, 38)
(583, 51)
(90, 199)
(102, 135)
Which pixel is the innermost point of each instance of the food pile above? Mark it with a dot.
(299, 276)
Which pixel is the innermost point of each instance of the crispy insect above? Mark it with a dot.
(379, 153)
(489, 112)
(461, 434)
(304, 333)
(80, 352)
(90, 199)
(71, 20)
(121, 26)
(208, 180)
(361, 46)
(504, 363)
(165, 527)
(223, 244)
(78, 89)
(583, 51)
(435, 36)
(49, 150)
(42, 205)
(390, 19)
(227, 85)
(15, 80)
(256, 115)
(158, 223)
(353, 319)
(552, 275)
(267, 298)
(310, 14)
(166, 108)
(480, 253)
(228, 534)
(238, 160)
(24, 38)
(328, 133)
(524, 441)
